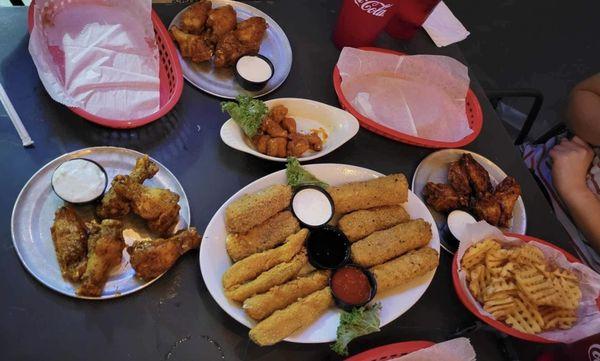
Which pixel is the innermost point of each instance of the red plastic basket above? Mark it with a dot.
(170, 75)
(391, 351)
(472, 108)
(495, 323)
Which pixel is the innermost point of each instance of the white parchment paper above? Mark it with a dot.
(458, 349)
(588, 323)
(98, 55)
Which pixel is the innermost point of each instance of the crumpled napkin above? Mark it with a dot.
(98, 55)
(443, 27)
(419, 95)
(458, 349)
(588, 315)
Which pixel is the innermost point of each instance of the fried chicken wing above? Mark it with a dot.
(443, 198)
(479, 178)
(250, 33)
(156, 205)
(458, 178)
(289, 124)
(115, 206)
(151, 258)
(195, 47)
(70, 243)
(488, 209)
(277, 147)
(194, 18)
(220, 21)
(507, 193)
(105, 249)
(297, 145)
(278, 113)
(273, 128)
(228, 50)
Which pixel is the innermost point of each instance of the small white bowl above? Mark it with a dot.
(339, 125)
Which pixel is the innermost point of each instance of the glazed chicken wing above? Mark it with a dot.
(443, 198)
(507, 193)
(221, 21)
(478, 176)
(488, 209)
(156, 205)
(194, 18)
(70, 243)
(105, 249)
(195, 47)
(250, 33)
(458, 178)
(152, 258)
(115, 206)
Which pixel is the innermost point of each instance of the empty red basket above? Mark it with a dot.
(171, 79)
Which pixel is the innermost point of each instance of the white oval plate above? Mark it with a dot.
(33, 215)
(214, 260)
(340, 126)
(434, 168)
(221, 81)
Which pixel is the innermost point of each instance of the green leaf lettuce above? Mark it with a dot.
(359, 322)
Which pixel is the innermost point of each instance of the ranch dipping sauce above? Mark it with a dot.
(312, 206)
(79, 181)
(254, 69)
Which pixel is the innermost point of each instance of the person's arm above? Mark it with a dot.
(571, 162)
(583, 110)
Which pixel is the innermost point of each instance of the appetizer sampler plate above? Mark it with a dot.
(214, 260)
(339, 125)
(434, 168)
(221, 81)
(33, 215)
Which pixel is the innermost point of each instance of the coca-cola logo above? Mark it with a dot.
(594, 352)
(376, 8)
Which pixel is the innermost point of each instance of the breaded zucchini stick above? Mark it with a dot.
(261, 306)
(405, 268)
(253, 209)
(359, 224)
(294, 317)
(277, 275)
(265, 236)
(254, 265)
(382, 246)
(384, 191)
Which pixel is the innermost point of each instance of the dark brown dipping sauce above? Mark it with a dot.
(351, 285)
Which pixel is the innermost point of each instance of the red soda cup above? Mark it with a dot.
(409, 15)
(360, 21)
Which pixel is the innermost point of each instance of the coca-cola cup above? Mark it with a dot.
(409, 15)
(360, 21)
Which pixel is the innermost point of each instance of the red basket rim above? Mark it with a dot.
(471, 99)
(394, 349)
(164, 109)
(495, 323)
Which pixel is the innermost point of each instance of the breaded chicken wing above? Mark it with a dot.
(443, 198)
(479, 178)
(507, 193)
(115, 206)
(220, 21)
(194, 47)
(250, 33)
(151, 258)
(458, 178)
(156, 205)
(228, 50)
(488, 209)
(105, 249)
(70, 243)
(194, 18)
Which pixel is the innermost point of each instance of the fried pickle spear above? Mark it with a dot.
(384, 191)
(359, 224)
(405, 268)
(384, 245)
(194, 18)
(266, 235)
(294, 317)
(252, 266)
(105, 250)
(115, 206)
(273, 277)
(263, 305)
(70, 243)
(151, 258)
(253, 209)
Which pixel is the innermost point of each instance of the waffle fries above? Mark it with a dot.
(520, 287)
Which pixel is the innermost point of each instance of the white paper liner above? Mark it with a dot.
(419, 95)
(458, 349)
(98, 55)
(588, 322)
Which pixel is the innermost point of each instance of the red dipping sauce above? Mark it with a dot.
(350, 285)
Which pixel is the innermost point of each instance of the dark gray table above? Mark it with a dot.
(176, 318)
